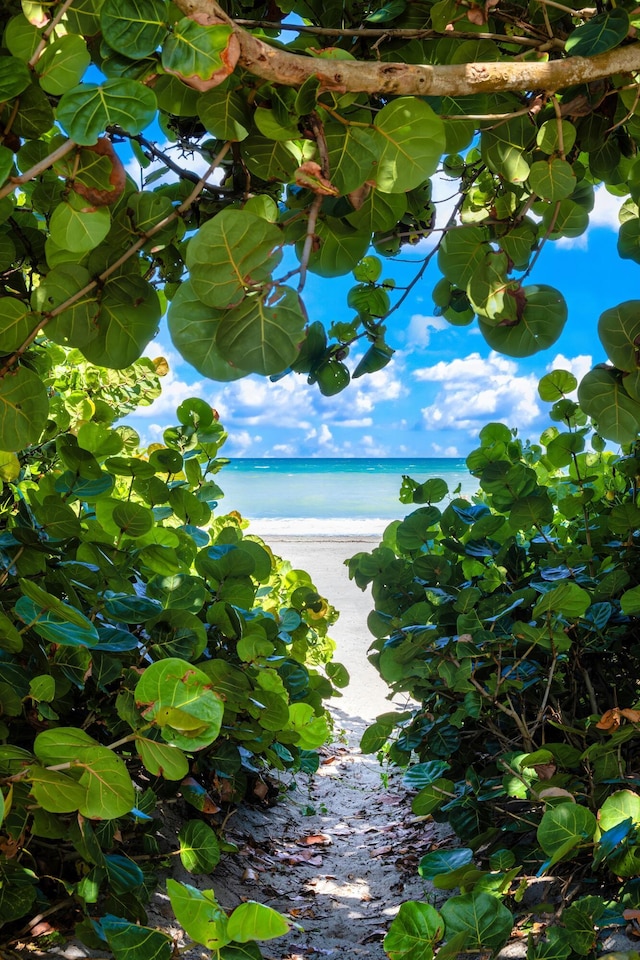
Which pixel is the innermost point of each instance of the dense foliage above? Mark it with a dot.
(152, 652)
(512, 620)
(316, 139)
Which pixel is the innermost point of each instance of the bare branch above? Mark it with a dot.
(407, 79)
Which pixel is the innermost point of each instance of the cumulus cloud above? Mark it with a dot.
(606, 209)
(474, 390)
(418, 333)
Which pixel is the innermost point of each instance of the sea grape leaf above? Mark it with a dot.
(162, 760)
(16, 323)
(178, 698)
(127, 318)
(552, 179)
(109, 790)
(619, 330)
(351, 153)
(412, 139)
(599, 34)
(421, 774)
(230, 252)
(24, 406)
(443, 861)
(620, 806)
(602, 396)
(263, 335)
(556, 385)
(199, 914)
(462, 251)
(432, 797)
(195, 50)
(541, 323)
(414, 932)
(62, 64)
(485, 920)
(14, 78)
(224, 114)
(88, 109)
(55, 791)
(505, 148)
(562, 828)
(567, 598)
(255, 921)
(199, 847)
(128, 941)
(134, 28)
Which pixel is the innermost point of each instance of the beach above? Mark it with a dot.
(324, 559)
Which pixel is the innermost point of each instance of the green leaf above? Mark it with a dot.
(462, 251)
(505, 148)
(162, 760)
(619, 331)
(56, 792)
(255, 921)
(421, 774)
(567, 598)
(199, 914)
(414, 932)
(542, 321)
(133, 519)
(14, 78)
(229, 253)
(128, 315)
(193, 327)
(199, 848)
(352, 157)
(131, 942)
(339, 248)
(485, 920)
(599, 34)
(109, 790)
(16, 323)
(224, 114)
(618, 807)
(62, 64)
(62, 745)
(24, 406)
(602, 396)
(87, 110)
(556, 385)
(630, 602)
(432, 797)
(375, 737)
(530, 512)
(563, 827)
(412, 140)
(134, 28)
(193, 50)
(312, 730)
(552, 179)
(178, 698)
(78, 227)
(263, 336)
(444, 861)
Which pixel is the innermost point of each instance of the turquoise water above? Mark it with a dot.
(331, 495)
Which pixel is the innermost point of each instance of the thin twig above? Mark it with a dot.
(37, 168)
(48, 31)
(314, 210)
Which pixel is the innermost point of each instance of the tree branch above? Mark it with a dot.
(407, 79)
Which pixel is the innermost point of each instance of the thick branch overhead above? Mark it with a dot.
(405, 79)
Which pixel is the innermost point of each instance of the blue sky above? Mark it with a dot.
(443, 384)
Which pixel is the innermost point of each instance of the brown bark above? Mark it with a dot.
(406, 79)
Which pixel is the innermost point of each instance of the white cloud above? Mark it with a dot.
(474, 390)
(440, 451)
(418, 332)
(606, 209)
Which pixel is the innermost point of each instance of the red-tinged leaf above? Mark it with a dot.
(610, 720)
(316, 839)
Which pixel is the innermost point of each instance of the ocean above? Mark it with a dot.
(329, 497)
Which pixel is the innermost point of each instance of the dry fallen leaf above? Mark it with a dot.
(316, 839)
